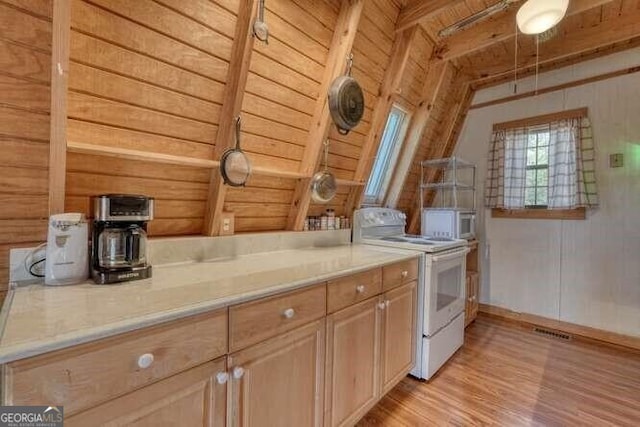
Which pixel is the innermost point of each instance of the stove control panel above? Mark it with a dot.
(375, 217)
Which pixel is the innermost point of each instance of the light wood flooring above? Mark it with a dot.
(506, 375)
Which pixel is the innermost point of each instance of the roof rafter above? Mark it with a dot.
(420, 10)
(571, 44)
(497, 29)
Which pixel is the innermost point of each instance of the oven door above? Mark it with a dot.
(444, 289)
(466, 225)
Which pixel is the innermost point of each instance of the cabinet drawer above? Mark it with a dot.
(401, 272)
(255, 321)
(89, 374)
(349, 290)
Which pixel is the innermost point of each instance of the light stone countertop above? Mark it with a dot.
(39, 319)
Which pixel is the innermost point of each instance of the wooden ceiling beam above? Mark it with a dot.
(344, 35)
(499, 28)
(420, 10)
(389, 89)
(437, 73)
(614, 31)
(231, 106)
(552, 65)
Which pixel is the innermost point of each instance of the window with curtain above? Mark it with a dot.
(543, 163)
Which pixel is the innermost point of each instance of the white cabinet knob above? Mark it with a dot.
(360, 289)
(404, 274)
(145, 360)
(222, 377)
(289, 313)
(238, 372)
(386, 303)
(382, 305)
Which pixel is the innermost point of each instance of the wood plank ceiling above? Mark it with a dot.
(154, 85)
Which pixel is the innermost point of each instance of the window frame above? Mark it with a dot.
(393, 157)
(541, 212)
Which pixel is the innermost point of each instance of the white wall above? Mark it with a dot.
(584, 272)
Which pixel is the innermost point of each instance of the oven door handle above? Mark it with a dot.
(450, 255)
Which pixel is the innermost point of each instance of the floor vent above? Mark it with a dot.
(552, 334)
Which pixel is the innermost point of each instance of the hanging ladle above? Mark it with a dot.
(260, 28)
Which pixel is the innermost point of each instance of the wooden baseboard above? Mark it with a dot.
(570, 328)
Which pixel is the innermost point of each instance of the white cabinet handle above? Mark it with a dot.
(222, 377)
(289, 313)
(404, 274)
(382, 305)
(238, 372)
(145, 360)
(360, 289)
(386, 303)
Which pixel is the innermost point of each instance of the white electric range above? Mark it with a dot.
(441, 283)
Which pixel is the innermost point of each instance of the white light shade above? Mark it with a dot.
(537, 16)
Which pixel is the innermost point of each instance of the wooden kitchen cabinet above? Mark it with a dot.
(87, 375)
(196, 397)
(370, 348)
(353, 360)
(471, 304)
(279, 382)
(398, 334)
(472, 283)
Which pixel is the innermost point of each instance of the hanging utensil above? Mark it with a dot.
(260, 28)
(323, 184)
(346, 101)
(235, 166)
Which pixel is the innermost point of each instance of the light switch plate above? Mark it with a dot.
(616, 160)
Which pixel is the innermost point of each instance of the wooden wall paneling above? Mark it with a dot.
(342, 41)
(496, 29)
(418, 11)
(134, 106)
(25, 126)
(232, 103)
(390, 87)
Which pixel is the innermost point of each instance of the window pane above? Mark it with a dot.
(542, 177)
(542, 199)
(388, 151)
(543, 138)
(532, 140)
(543, 155)
(531, 178)
(530, 196)
(531, 156)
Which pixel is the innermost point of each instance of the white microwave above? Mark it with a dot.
(453, 223)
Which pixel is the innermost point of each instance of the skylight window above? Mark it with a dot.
(384, 164)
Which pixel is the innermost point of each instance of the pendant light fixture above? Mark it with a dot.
(538, 16)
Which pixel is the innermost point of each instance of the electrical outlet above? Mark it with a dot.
(18, 272)
(616, 160)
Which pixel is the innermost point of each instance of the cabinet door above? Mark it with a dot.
(279, 382)
(398, 334)
(353, 362)
(192, 398)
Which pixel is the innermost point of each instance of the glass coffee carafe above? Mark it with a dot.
(122, 247)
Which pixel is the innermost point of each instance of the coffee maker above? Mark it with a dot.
(119, 243)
